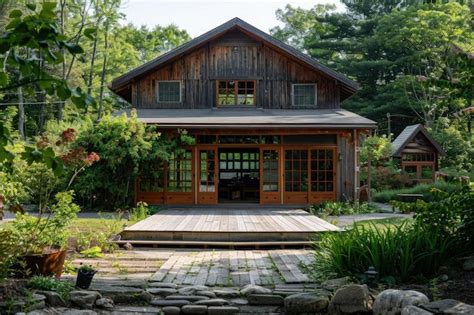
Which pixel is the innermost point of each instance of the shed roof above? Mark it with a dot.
(348, 86)
(408, 134)
(252, 118)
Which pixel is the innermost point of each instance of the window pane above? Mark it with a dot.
(169, 92)
(304, 94)
(426, 172)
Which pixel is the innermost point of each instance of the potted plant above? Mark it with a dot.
(44, 240)
(85, 273)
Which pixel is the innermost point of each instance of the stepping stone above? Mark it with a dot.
(179, 303)
(161, 291)
(239, 301)
(209, 294)
(226, 293)
(171, 310)
(222, 310)
(191, 298)
(162, 285)
(212, 302)
(265, 299)
(194, 309)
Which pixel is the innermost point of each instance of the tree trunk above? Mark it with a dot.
(104, 69)
(21, 114)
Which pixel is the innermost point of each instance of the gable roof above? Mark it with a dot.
(348, 86)
(408, 134)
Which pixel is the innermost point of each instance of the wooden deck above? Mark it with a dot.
(227, 227)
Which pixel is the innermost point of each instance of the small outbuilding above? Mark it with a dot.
(418, 153)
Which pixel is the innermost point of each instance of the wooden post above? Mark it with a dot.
(2, 207)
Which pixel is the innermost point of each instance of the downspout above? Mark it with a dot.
(356, 167)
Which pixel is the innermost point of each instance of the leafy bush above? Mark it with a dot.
(403, 251)
(425, 189)
(140, 212)
(9, 250)
(63, 288)
(337, 208)
(34, 234)
(125, 146)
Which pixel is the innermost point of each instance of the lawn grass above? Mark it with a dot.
(382, 224)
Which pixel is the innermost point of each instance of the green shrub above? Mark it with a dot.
(63, 288)
(336, 208)
(140, 212)
(403, 251)
(425, 189)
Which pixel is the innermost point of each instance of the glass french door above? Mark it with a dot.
(207, 176)
(270, 191)
(323, 175)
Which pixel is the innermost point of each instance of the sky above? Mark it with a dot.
(200, 16)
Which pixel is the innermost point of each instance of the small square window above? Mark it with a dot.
(304, 94)
(169, 91)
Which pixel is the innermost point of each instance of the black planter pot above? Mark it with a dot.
(84, 278)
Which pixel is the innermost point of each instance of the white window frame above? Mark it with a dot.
(157, 87)
(293, 94)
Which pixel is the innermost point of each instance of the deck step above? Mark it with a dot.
(215, 244)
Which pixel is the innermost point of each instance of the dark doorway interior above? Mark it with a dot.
(239, 175)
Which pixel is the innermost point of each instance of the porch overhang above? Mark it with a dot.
(243, 118)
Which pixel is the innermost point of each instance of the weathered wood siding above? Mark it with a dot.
(345, 168)
(235, 56)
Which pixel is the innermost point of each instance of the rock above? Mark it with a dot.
(52, 298)
(239, 301)
(212, 302)
(414, 310)
(105, 303)
(311, 303)
(112, 289)
(128, 246)
(222, 310)
(34, 302)
(209, 294)
(392, 301)
(192, 298)
(138, 283)
(78, 312)
(443, 278)
(125, 310)
(254, 289)
(448, 306)
(146, 296)
(172, 310)
(162, 285)
(226, 293)
(265, 299)
(334, 284)
(354, 298)
(194, 309)
(191, 290)
(468, 264)
(84, 299)
(162, 291)
(179, 303)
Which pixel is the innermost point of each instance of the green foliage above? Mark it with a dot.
(86, 268)
(10, 252)
(458, 147)
(93, 252)
(63, 288)
(403, 251)
(140, 212)
(425, 189)
(336, 208)
(35, 234)
(125, 146)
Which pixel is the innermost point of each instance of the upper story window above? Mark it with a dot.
(304, 94)
(233, 92)
(168, 91)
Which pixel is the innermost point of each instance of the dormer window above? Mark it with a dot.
(304, 95)
(168, 91)
(233, 92)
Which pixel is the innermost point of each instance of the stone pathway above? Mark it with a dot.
(206, 267)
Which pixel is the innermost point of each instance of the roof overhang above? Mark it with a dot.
(119, 85)
(252, 118)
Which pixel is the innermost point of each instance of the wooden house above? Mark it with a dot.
(267, 120)
(418, 153)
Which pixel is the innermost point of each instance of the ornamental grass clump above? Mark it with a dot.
(441, 231)
(402, 252)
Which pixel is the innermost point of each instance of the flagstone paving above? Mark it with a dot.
(206, 267)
